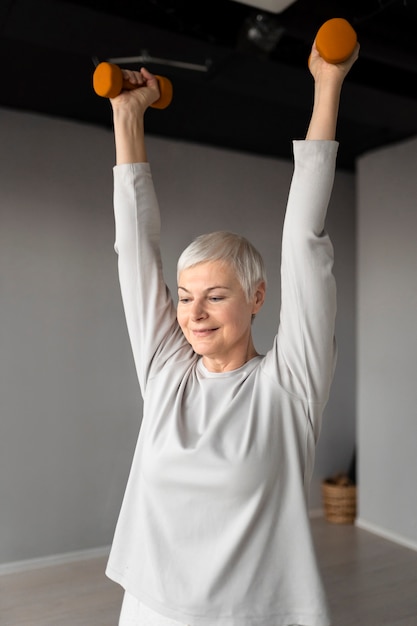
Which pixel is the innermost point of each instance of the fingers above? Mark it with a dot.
(140, 89)
(355, 54)
(134, 77)
(140, 78)
(321, 68)
(347, 65)
(148, 76)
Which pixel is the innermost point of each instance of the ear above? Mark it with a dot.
(258, 297)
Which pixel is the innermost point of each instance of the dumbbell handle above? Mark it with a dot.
(108, 82)
(336, 40)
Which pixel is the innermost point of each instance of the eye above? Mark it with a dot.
(216, 298)
(184, 300)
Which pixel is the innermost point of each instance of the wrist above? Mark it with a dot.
(328, 88)
(325, 110)
(129, 137)
(126, 118)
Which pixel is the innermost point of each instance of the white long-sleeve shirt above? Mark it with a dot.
(214, 528)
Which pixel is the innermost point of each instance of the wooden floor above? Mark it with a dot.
(370, 582)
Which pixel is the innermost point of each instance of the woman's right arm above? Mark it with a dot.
(128, 116)
(149, 310)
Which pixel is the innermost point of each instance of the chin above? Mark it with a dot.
(200, 351)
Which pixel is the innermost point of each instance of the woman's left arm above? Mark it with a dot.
(306, 349)
(328, 81)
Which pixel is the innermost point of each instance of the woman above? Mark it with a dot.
(214, 527)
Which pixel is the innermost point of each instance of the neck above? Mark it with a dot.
(219, 365)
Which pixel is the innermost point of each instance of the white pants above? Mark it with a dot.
(134, 613)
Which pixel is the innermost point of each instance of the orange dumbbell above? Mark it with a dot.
(336, 40)
(108, 82)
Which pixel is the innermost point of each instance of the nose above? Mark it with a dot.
(197, 310)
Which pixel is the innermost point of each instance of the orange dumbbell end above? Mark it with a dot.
(108, 82)
(336, 40)
(165, 93)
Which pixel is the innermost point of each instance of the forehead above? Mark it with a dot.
(209, 274)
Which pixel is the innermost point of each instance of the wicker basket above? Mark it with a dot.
(339, 500)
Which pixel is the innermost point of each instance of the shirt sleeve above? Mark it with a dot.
(305, 348)
(149, 310)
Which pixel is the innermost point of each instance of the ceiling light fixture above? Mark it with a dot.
(263, 31)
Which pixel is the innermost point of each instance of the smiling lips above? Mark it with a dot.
(202, 332)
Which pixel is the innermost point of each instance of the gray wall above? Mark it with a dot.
(69, 402)
(387, 341)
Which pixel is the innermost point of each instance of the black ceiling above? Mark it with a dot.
(239, 96)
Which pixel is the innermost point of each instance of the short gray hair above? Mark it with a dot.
(231, 248)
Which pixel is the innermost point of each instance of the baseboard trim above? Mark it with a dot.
(95, 553)
(55, 559)
(386, 534)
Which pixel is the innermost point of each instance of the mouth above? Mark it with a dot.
(203, 332)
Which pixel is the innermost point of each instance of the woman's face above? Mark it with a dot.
(215, 316)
